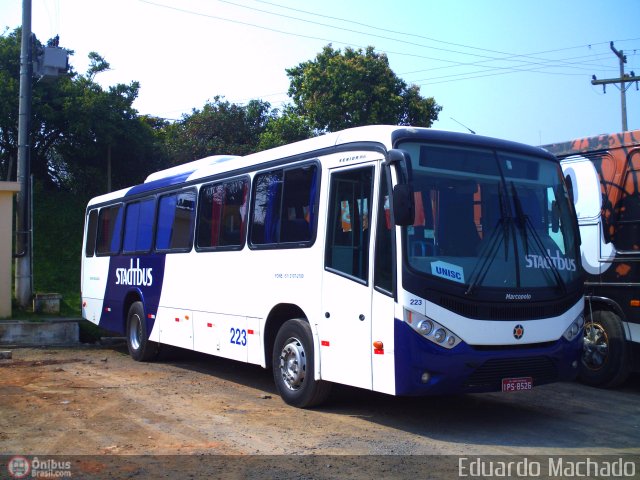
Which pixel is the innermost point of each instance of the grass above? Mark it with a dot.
(57, 241)
(58, 227)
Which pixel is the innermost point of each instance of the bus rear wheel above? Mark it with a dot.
(293, 366)
(605, 356)
(138, 344)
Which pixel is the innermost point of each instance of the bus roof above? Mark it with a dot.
(383, 135)
(596, 143)
(189, 167)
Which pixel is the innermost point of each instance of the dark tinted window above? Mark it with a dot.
(92, 227)
(176, 216)
(383, 267)
(222, 214)
(284, 204)
(138, 228)
(109, 230)
(348, 222)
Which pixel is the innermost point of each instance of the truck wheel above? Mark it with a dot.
(140, 348)
(293, 366)
(605, 356)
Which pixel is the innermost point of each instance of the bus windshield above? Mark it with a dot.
(487, 218)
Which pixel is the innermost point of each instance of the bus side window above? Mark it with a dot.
(109, 230)
(384, 260)
(298, 216)
(138, 226)
(234, 213)
(92, 231)
(176, 217)
(284, 207)
(348, 221)
(222, 214)
(266, 207)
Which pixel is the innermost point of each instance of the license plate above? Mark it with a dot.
(517, 384)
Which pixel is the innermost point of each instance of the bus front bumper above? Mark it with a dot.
(471, 369)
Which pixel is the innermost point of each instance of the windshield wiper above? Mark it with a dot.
(506, 226)
(491, 246)
(522, 218)
(491, 250)
(524, 221)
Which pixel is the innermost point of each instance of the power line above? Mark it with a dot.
(491, 70)
(510, 56)
(376, 27)
(505, 71)
(453, 63)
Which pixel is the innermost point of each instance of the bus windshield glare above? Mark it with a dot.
(491, 219)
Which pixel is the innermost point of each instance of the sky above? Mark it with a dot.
(509, 69)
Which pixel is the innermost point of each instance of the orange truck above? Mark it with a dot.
(603, 178)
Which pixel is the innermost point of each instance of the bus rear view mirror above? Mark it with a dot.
(403, 205)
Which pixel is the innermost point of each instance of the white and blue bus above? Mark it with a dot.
(401, 260)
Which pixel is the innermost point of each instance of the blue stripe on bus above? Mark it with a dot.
(136, 277)
(450, 369)
(160, 183)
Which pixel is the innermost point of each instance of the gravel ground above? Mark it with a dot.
(99, 403)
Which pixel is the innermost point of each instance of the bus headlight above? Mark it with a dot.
(425, 327)
(431, 330)
(575, 328)
(440, 335)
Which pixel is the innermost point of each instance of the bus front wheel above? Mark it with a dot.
(293, 366)
(605, 357)
(138, 344)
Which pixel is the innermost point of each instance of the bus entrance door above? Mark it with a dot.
(345, 324)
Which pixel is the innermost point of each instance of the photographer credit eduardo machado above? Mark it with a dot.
(548, 467)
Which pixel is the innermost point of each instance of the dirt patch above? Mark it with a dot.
(100, 404)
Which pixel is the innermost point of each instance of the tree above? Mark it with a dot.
(9, 95)
(340, 90)
(219, 128)
(104, 136)
(76, 127)
(283, 128)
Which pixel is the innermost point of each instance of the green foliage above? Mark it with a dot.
(285, 128)
(341, 90)
(9, 94)
(76, 127)
(58, 226)
(219, 128)
(97, 64)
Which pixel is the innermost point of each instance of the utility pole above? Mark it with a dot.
(23, 226)
(52, 61)
(623, 80)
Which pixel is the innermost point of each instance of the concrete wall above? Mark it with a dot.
(20, 333)
(7, 190)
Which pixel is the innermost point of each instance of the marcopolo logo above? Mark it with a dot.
(559, 262)
(134, 275)
(518, 332)
(518, 296)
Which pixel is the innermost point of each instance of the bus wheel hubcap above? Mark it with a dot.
(134, 331)
(596, 346)
(293, 364)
